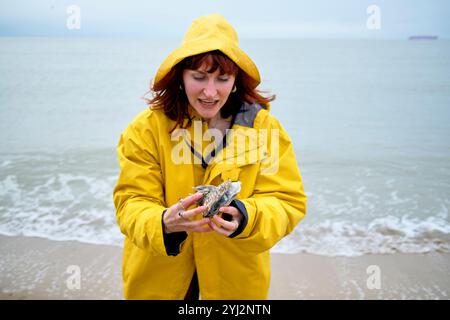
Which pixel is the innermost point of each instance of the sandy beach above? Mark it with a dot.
(36, 268)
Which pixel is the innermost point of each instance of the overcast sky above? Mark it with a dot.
(251, 18)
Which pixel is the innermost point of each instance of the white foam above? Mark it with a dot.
(68, 206)
(62, 207)
(381, 236)
(5, 163)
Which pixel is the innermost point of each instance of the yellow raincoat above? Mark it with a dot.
(155, 174)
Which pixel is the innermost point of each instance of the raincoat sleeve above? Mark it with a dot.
(138, 194)
(278, 202)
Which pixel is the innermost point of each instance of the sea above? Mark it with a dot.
(369, 121)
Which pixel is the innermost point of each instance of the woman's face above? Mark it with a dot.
(207, 92)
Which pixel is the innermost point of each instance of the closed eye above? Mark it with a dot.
(201, 76)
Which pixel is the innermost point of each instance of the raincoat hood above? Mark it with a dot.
(209, 33)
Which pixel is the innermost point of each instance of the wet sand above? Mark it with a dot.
(36, 268)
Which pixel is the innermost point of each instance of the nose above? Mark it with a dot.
(210, 91)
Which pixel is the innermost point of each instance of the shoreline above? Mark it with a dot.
(37, 268)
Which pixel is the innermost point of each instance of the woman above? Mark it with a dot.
(206, 124)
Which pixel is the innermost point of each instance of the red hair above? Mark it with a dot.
(168, 95)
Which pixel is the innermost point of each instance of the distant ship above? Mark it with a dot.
(423, 38)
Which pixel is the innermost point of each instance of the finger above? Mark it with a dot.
(231, 226)
(194, 226)
(181, 215)
(189, 200)
(193, 212)
(230, 210)
(206, 228)
(218, 229)
(199, 225)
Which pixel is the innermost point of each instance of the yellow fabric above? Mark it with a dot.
(149, 182)
(208, 33)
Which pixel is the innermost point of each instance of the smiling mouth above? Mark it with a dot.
(208, 102)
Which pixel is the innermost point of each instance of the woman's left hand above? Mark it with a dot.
(223, 226)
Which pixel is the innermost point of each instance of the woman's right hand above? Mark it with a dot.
(177, 218)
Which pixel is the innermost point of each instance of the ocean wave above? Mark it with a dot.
(60, 206)
(65, 199)
(385, 235)
(388, 235)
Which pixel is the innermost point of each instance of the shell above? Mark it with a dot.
(215, 197)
